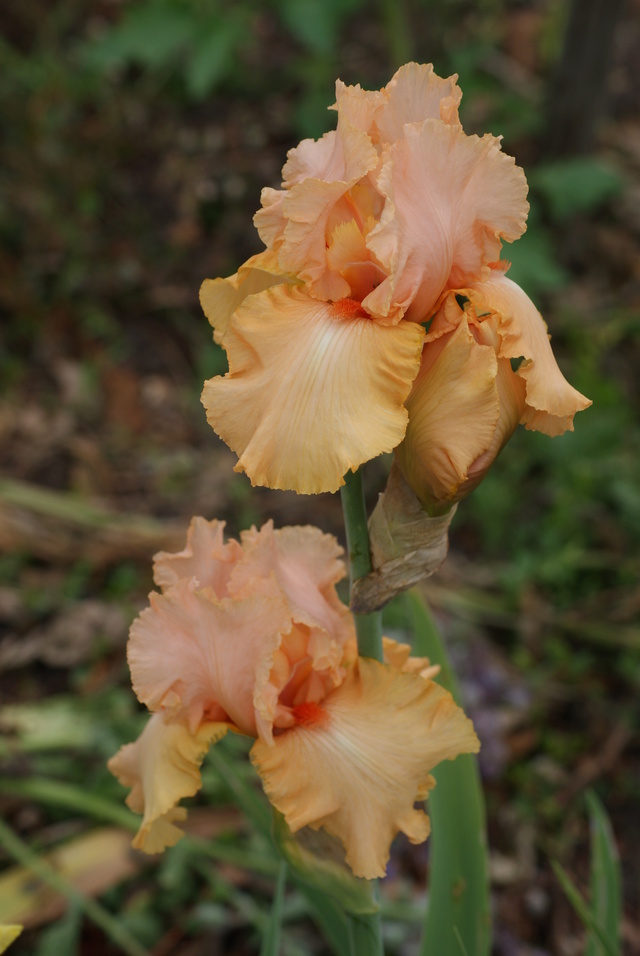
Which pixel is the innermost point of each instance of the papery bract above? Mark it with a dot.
(251, 636)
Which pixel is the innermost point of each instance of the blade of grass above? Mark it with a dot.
(458, 918)
(57, 794)
(581, 907)
(271, 941)
(606, 891)
(20, 852)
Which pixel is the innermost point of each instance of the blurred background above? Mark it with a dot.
(136, 138)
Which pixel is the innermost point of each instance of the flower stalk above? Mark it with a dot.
(365, 932)
(368, 626)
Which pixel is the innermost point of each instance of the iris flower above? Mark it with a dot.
(251, 637)
(375, 227)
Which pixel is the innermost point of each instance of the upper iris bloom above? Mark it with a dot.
(374, 224)
(251, 637)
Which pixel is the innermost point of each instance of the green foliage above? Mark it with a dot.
(458, 919)
(323, 869)
(579, 185)
(197, 41)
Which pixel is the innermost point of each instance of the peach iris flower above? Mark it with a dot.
(373, 223)
(251, 636)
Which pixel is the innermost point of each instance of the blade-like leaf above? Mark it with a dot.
(581, 907)
(457, 920)
(606, 893)
(271, 942)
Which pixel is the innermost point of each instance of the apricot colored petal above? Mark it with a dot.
(551, 402)
(205, 557)
(313, 389)
(220, 298)
(359, 107)
(415, 93)
(399, 656)
(453, 413)
(162, 767)
(306, 563)
(450, 199)
(340, 155)
(294, 220)
(201, 658)
(357, 769)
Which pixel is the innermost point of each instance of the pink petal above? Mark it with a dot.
(451, 198)
(206, 558)
(201, 658)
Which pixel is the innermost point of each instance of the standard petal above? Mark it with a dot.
(313, 389)
(450, 199)
(306, 563)
(201, 658)
(551, 402)
(205, 557)
(453, 413)
(308, 208)
(220, 298)
(359, 107)
(162, 767)
(356, 763)
(415, 93)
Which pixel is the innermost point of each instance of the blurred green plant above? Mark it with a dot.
(602, 916)
(198, 41)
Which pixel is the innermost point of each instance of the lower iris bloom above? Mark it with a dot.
(252, 637)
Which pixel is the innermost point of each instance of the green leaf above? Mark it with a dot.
(534, 262)
(271, 942)
(212, 57)
(606, 892)
(314, 23)
(579, 185)
(322, 868)
(150, 34)
(581, 907)
(458, 918)
(63, 936)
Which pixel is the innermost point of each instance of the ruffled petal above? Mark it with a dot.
(220, 298)
(308, 208)
(551, 402)
(451, 198)
(314, 389)
(415, 93)
(295, 220)
(306, 563)
(201, 658)
(355, 763)
(453, 413)
(359, 107)
(162, 767)
(205, 557)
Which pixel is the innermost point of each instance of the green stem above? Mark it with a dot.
(368, 626)
(365, 932)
